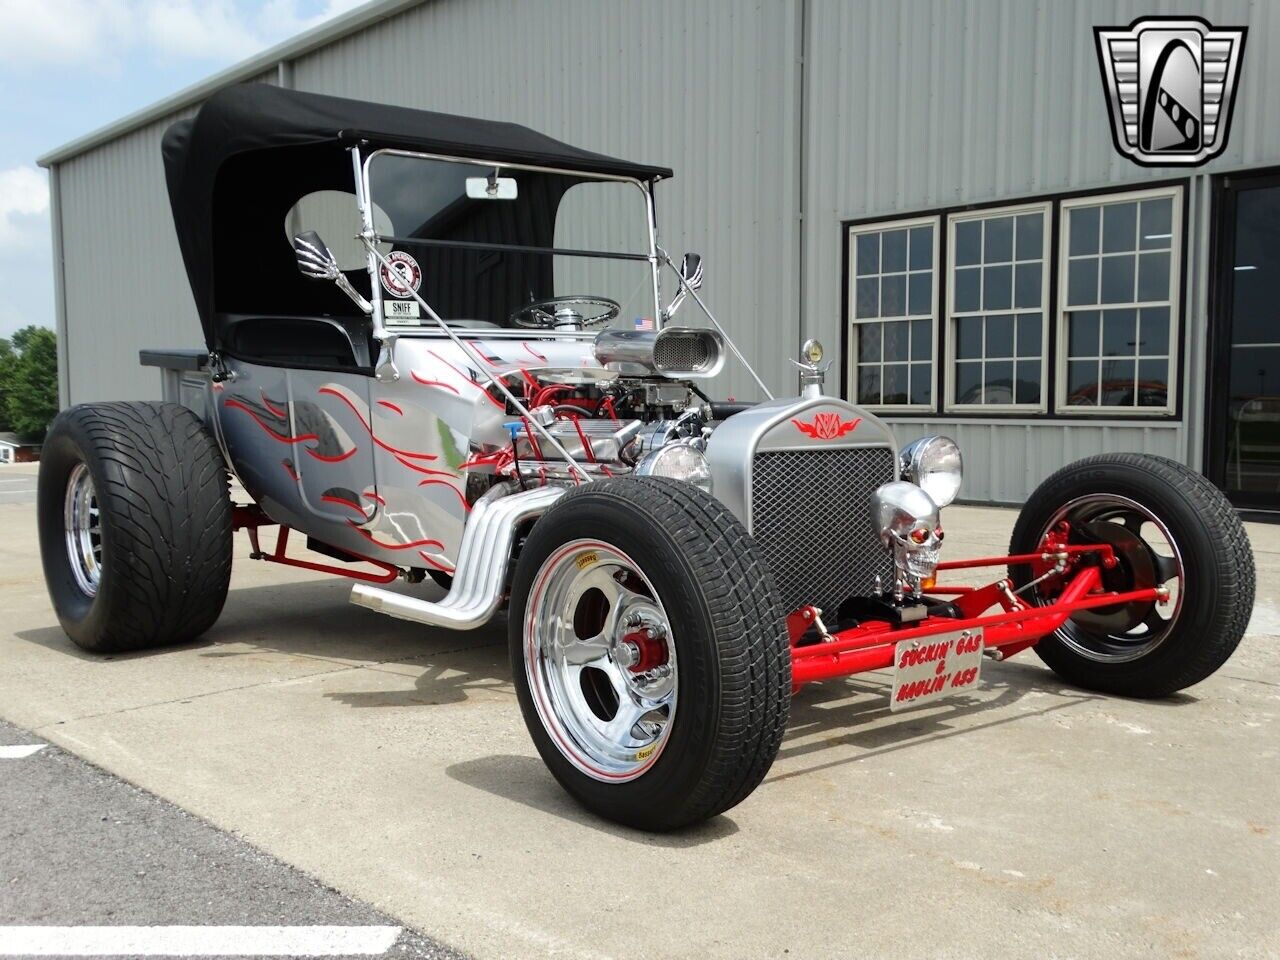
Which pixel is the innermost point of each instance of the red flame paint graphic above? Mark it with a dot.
(826, 426)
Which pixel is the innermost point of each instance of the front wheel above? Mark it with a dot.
(649, 652)
(1168, 527)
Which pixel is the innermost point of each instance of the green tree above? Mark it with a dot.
(29, 382)
(7, 359)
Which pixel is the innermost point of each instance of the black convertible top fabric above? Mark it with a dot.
(266, 147)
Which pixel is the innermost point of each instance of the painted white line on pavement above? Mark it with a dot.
(196, 941)
(21, 750)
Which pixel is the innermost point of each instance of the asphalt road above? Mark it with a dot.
(80, 848)
(1023, 819)
(17, 484)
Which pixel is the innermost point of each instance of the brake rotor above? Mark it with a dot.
(1135, 570)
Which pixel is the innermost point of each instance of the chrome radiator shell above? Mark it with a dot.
(799, 473)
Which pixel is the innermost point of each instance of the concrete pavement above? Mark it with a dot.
(389, 761)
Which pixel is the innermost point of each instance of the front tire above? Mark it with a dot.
(1168, 526)
(649, 652)
(135, 525)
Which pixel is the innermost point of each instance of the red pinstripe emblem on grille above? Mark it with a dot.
(826, 426)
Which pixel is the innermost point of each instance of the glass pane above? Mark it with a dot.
(1117, 279)
(999, 337)
(1153, 339)
(895, 341)
(1153, 383)
(1027, 383)
(1082, 282)
(968, 282)
(868, 298)
(969, 338)
(893, 295)
(999, 385)
(921, 248)
(1153, 276)
(921, 340)
(1082, 334)
(869, 384)
(868, 342)
(895, 383)
(1029, 330)
(1119, 227)
(997, 287)
(920, 293)
(969, 382)
(1157, 224)
(968, 242)
(1117, 383)
(893, 251)
(1026, 287)
(1082, 383)
(1119, 333)
(1030, 236)
(1084, 230)
(997, 245)
(921, 386)
(868, 253)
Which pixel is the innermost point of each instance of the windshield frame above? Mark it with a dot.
(363, 201)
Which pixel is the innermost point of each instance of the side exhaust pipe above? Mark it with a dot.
(482, 565)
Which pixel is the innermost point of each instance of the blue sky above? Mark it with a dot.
(70, 66)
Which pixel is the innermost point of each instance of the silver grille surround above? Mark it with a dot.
(809, 515)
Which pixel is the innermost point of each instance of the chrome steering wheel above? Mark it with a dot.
(559, 312)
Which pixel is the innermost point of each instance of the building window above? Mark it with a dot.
(997, 309)
(893, 313)
(1118, 303)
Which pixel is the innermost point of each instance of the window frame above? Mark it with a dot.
(1177, 196)
(949, 404)
(851, 323)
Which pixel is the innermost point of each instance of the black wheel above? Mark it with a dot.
(135, 525)
(649, 652)
(1168, 526)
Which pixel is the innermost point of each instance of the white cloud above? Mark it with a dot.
(96, 34)
(24, 206)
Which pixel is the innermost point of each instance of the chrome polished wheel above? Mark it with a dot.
(600, 660)
(83, 529)
(1148, 556)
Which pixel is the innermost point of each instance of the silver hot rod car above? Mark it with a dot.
(481, 383)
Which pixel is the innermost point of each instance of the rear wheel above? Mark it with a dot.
(135, 525)
(649, 652)
(1168, 527)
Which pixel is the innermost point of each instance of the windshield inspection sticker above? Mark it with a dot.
(401, 275)
(404, 312)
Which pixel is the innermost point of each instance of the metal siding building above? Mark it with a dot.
(792, 125)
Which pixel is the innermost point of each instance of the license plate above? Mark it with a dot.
(931, 667)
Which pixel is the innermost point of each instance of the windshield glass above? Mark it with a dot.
(485, 241)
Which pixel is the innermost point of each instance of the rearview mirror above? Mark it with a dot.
(315, 259)
(491, 188)
(691, 270)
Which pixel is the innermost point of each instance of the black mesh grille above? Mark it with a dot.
(681, 352)
(809, 513)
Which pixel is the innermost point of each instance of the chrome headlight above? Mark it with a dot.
(934, 464)
(680, 461)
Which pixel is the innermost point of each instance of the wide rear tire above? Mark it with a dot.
(1168, 525)
(135, 525)
(649, 652)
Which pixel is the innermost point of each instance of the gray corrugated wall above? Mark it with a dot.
(125, 286)
(915, 105)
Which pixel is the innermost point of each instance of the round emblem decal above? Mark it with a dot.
(401, 275)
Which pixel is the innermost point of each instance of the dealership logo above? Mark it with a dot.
(1170, 84)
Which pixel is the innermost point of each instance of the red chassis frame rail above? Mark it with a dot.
(250, 517)
(870, 645)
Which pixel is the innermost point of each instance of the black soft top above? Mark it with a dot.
(253, 150)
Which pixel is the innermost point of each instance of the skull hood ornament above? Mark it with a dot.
(907, 521)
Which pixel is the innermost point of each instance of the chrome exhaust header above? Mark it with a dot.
(482, 565)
